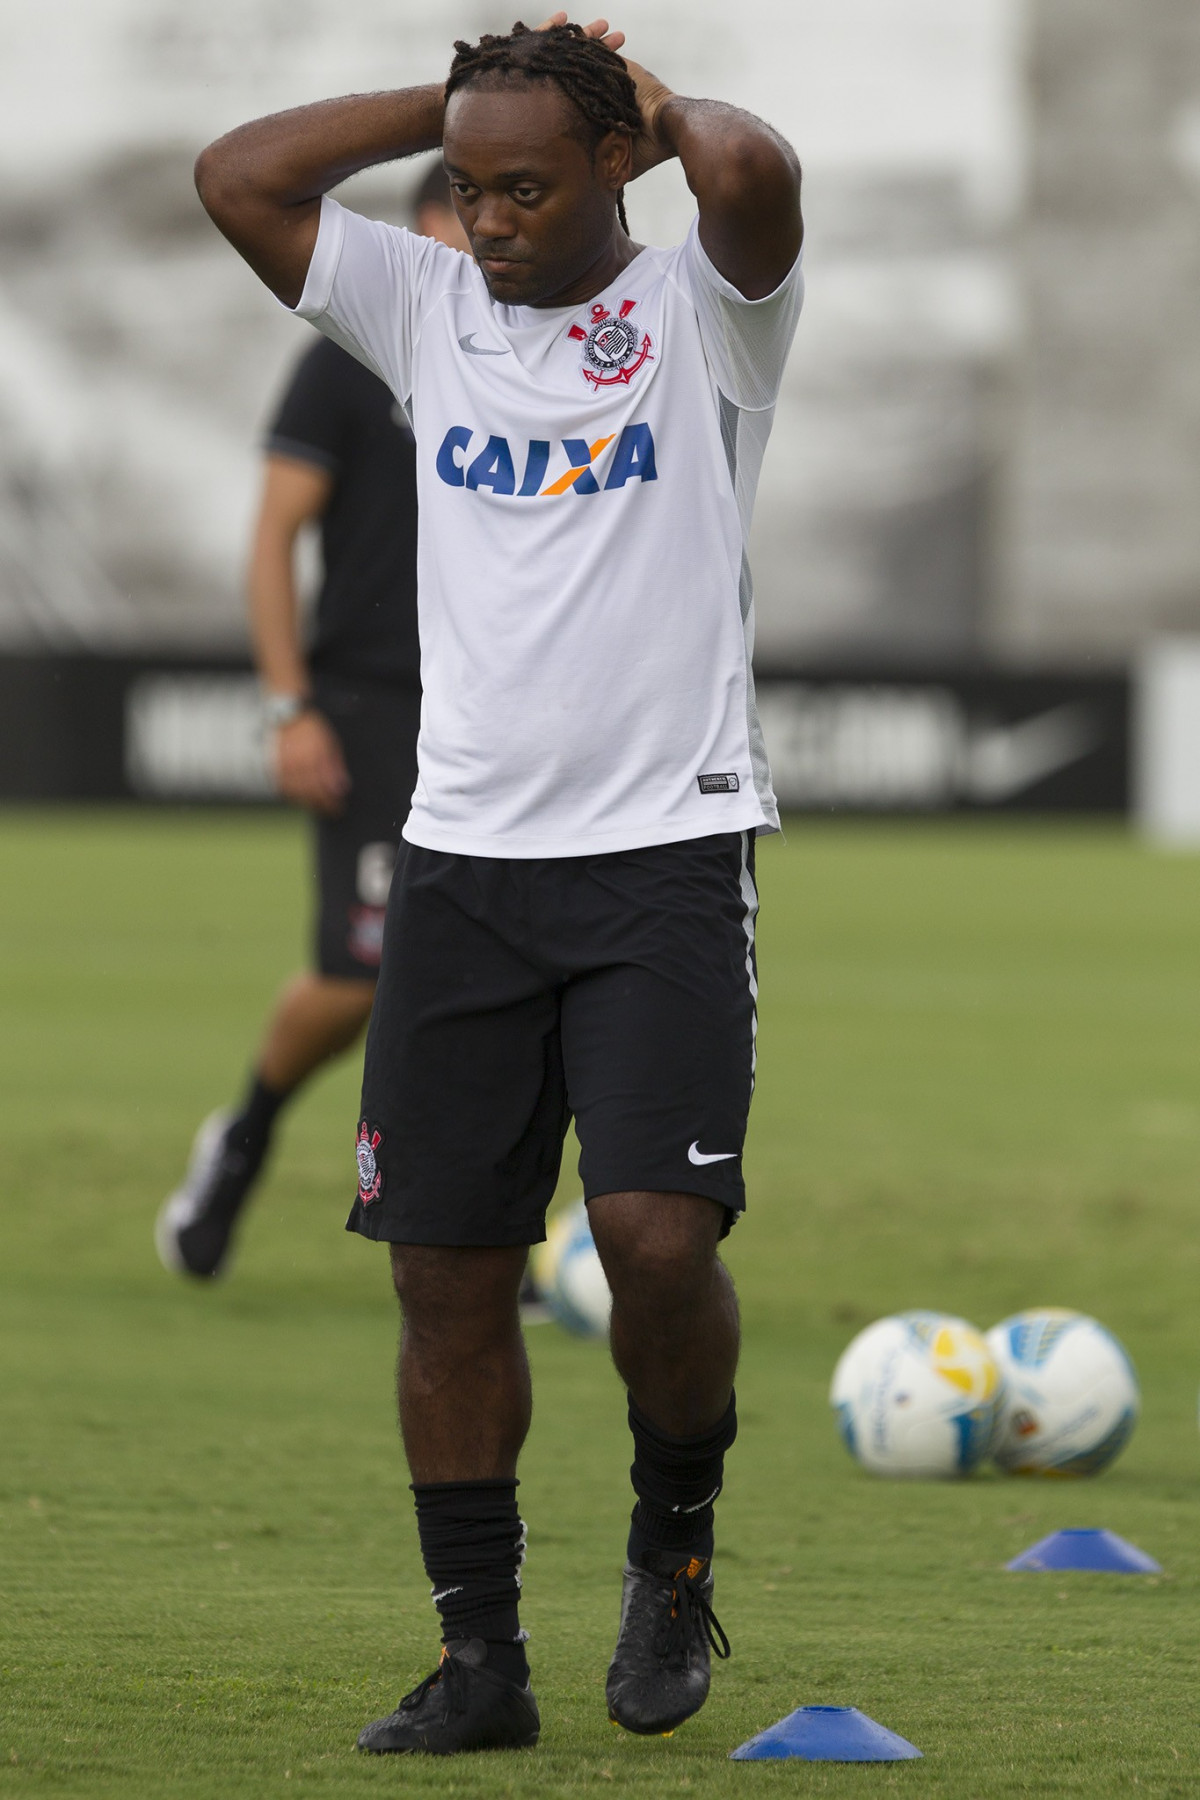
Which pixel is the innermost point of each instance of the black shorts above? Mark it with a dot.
(515, 994)
(355, 852)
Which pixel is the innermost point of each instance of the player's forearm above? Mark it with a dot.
(262, 183)
(293, 157)
(727, 154)
(274, 618)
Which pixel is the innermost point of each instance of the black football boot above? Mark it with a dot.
(659, 1673)
(463, 1705)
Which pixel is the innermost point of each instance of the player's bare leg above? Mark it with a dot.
(316, 1018)
(675, 1342)
(674, 1331)
(463, 1376)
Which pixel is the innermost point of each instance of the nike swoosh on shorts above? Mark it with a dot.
(696, 1155)
(464, 343)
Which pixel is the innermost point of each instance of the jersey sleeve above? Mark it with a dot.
(746, 341)
(368, 285)
(310, 422)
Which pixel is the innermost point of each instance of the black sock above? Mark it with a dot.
(249, 1134)
(473, 1545)
(676, 1481)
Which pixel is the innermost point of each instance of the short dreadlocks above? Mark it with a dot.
(593, 77)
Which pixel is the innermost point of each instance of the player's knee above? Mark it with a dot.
(361, 995)
(660, 1254)
(347, 994)
(466, 1293)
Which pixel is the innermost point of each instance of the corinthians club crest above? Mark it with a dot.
(614, 348)
(370, 1175)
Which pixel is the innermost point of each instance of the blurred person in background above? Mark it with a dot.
(343, 715)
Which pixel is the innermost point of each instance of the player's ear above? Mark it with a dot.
(613, 161)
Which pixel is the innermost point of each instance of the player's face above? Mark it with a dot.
(536, 203)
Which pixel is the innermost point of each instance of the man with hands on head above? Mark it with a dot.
(570, 931)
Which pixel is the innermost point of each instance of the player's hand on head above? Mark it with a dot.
(597, 29)
(648, 149)
(309, 766)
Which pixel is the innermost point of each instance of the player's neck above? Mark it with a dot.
(617, 254)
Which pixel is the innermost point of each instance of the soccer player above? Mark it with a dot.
(570, 930)
(343, 713)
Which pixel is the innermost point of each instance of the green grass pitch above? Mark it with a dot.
(979, 1089)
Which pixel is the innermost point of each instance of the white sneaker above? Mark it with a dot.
(196, 1223)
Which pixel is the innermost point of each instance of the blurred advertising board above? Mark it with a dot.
(114, 728)
(79, 728)
(955, 741)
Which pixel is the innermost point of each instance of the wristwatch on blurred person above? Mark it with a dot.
(281, 709)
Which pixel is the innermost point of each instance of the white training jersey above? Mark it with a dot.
(585, 479)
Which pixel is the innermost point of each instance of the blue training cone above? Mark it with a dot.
(826, 1734)
(1101, 1551)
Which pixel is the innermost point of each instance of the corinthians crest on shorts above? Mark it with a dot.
(370, 1175)
(614, 347)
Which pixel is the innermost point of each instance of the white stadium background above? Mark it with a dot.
(137, 356)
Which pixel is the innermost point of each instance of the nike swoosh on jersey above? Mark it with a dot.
(464, 343)
(696, 1155)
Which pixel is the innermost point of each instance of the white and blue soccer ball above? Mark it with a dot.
(916, 1395)
(1071, 1396)
(569, 1277)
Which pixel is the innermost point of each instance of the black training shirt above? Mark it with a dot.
(338, 416)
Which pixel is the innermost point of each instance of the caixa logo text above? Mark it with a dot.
(539, 469)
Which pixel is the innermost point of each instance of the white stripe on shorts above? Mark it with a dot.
(750, 896)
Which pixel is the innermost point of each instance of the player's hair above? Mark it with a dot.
(593, 77)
